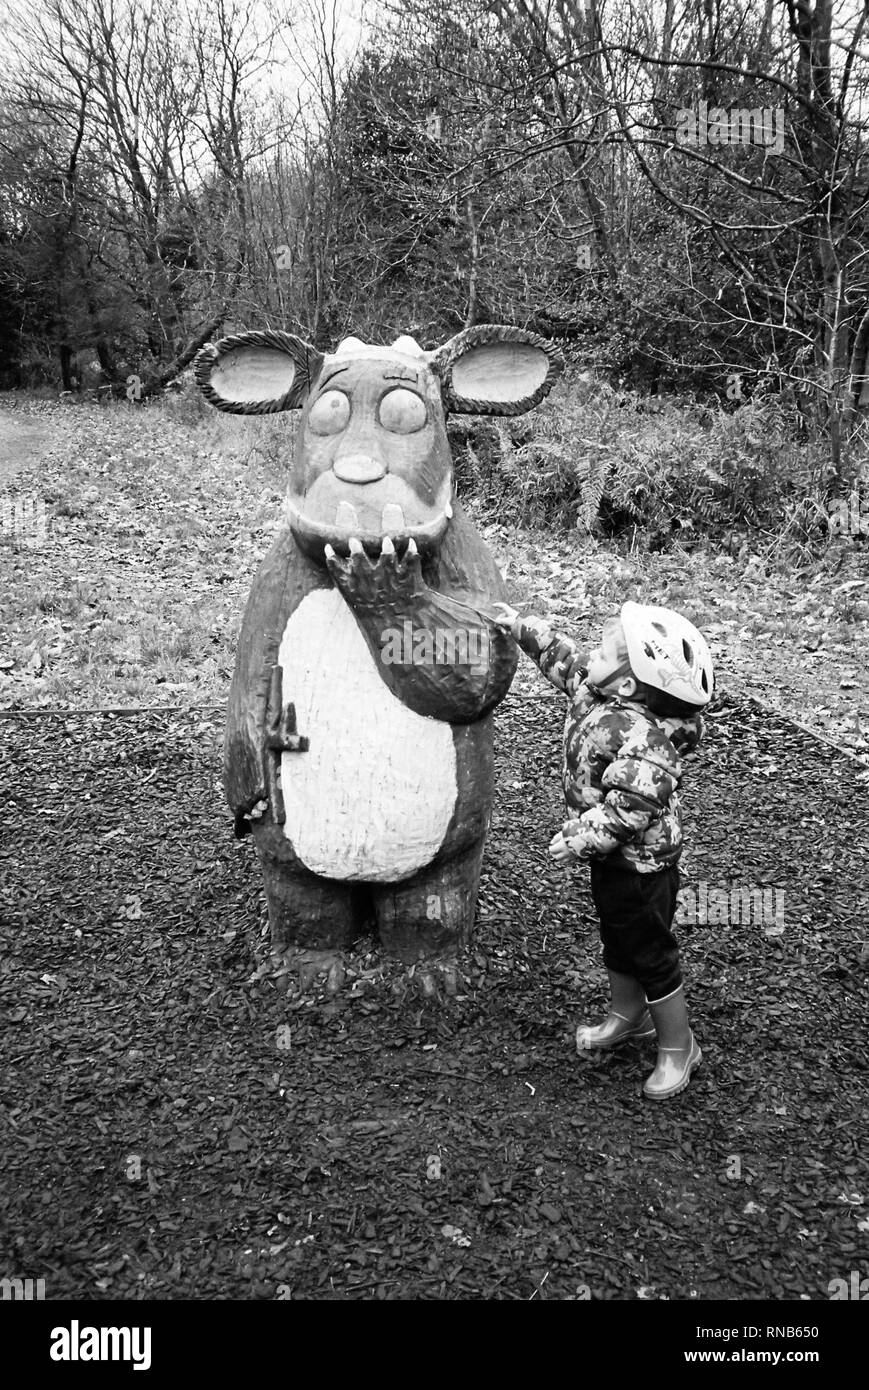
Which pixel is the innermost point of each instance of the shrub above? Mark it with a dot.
(184, 404)
(608, 461)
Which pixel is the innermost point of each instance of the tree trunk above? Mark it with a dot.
(65, 354)
(858, 375)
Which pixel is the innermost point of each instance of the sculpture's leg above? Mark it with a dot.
(309, 912)
(431, 914)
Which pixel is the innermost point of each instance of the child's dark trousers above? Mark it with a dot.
(636, 914)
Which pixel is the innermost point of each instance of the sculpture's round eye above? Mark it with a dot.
(402, 411)
(330, 413)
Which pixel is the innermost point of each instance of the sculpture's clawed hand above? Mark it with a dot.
(389, 579)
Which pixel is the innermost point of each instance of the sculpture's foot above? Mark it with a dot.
(298, 969)
(436, 979)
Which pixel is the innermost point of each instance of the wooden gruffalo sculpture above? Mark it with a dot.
(358, 743)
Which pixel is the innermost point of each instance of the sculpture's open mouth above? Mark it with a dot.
(330, 514)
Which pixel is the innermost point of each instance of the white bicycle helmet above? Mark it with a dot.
(668, 653)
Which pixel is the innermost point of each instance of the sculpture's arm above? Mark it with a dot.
(260, 718)
(441, 653)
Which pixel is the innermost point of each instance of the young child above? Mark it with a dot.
(635, 703)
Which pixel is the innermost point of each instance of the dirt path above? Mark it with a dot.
(23, 441)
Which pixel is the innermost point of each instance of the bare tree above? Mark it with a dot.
(160, 102)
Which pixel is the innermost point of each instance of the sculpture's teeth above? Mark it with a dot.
(393, 518)
(345, 517)
(388, 548)
(448, 509)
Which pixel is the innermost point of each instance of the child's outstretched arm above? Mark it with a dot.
(640, 781)
(559, 658)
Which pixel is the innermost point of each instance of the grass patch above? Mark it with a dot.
(158, 518)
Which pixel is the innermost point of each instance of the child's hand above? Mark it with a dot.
(506, 618)
(560, 850)
(539, 629)
(560, 846)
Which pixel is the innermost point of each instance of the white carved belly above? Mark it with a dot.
(374, 794)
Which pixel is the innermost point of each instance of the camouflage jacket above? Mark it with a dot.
(622, 764)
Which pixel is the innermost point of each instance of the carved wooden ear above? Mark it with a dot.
(494, 369)
(257, 373)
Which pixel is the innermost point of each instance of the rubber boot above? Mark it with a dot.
(628, 1017)
(678, 1052)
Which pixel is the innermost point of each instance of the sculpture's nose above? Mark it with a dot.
(358, 468)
